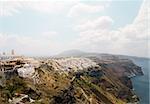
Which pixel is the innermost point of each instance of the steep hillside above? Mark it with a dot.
(73, 81)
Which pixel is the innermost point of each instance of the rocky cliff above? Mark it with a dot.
(89, 80)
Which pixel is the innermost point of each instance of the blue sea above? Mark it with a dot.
(141, 83)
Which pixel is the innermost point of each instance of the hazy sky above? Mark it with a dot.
(46, 27)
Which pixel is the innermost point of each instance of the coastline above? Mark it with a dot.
(142, 82)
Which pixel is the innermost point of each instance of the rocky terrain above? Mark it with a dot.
(70, 80)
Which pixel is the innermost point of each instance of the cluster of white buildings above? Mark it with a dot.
(28, 68)
(25, 68)
(73, 63)
(65, 64)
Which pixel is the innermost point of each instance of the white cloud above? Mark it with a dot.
(94, 35)
(139, 28)
(82, 8)
(132, 39)
(95, 30)
(28, 45)
(10, 7)
(103, 22)
(49, 34)
(48, 6)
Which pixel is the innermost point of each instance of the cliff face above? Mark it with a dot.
(75, 81)
(123, 69)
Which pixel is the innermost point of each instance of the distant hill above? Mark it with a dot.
(74, 53)
(78, 53)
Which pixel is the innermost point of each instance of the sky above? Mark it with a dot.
(49, 27)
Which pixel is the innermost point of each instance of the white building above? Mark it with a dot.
(26, 71)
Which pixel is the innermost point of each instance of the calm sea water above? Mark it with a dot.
(141, 83)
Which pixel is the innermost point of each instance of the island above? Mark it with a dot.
(81, 79)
